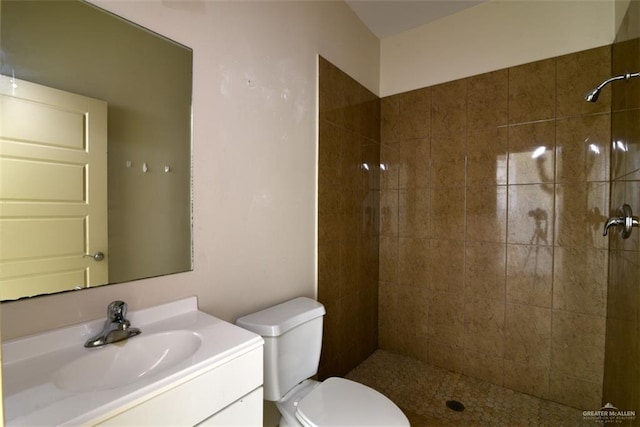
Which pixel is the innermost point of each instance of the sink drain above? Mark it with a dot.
(454, 405)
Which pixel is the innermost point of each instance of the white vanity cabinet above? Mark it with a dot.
(228, 395)
(186, 368)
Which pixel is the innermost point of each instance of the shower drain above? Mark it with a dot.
(454, 405)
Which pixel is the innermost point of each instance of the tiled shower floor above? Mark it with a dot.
(422, 391)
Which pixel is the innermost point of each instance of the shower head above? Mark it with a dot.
(592, 95)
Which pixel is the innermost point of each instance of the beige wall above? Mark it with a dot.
(255, 120)
(492, 36)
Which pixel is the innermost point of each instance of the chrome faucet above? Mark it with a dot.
(116, 328)
(626, 220)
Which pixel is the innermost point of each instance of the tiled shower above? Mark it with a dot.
(480, 240)
(492, 262)
(622, 369)
(348, 211)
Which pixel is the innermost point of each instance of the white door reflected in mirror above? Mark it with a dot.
(53, 190)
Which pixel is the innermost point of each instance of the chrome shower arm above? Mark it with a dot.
(626, 76)
(592, 96)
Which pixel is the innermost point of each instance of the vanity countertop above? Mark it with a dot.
(32, 366)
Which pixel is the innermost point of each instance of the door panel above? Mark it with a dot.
(55, 127)
(53, 190)
(36, 183)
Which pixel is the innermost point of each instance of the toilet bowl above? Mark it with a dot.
(292, 332)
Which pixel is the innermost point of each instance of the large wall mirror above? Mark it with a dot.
(95, 149)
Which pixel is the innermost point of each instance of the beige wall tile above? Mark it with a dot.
(330, 155)
(581, 211)
(351, 160)
(529, 274)
(486, 213)
(414, 114)
(532, 153)
(414, 163)
(332, 103)
(488, 100)
(526, 378)
(391, 333)
(446, 266)
(370, 222)
(448, 163)
(413, 212)
(330, 215)
(412, 311)
(484, 367)
(528, 335)
(625, 160)
(532, 91)
(368, 115)
(448, 212)
(389, 119)
(530, 214)
(390, 340)
(329, 271)
(330, 342)
(388, 259)
(387, 306)
(418, 348)
(583, 148)
(577, 346)
(628, 192)
(413, 261)
(487, 156)
(389, 209)
(484, 326)
(625, 58)
(390, 166)
(446, 318)
(623, 294)
(370, 167)
(446, 355)
(449, 172)
(449, 108)
(622, 372)
(580, 280)
(577, 74)
(485, 271)
(575, 392)
(449, 119)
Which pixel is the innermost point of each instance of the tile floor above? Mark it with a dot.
(422, 391)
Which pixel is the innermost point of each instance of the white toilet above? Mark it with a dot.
(292, 332)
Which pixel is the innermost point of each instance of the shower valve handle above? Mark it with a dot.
(626, 220)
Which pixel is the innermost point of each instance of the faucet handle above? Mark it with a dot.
(117, 311)
(626, 220)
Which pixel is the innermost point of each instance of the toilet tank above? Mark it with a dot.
(292, 333)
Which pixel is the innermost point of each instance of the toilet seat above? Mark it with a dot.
(341, 402)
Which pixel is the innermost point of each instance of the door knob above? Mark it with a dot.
(98, 256)
(626, 220)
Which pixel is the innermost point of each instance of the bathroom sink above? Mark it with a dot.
(126, 362)
(51, 378)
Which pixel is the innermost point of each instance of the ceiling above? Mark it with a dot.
(389, 17)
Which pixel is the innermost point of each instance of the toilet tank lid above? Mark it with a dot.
(275, 321)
